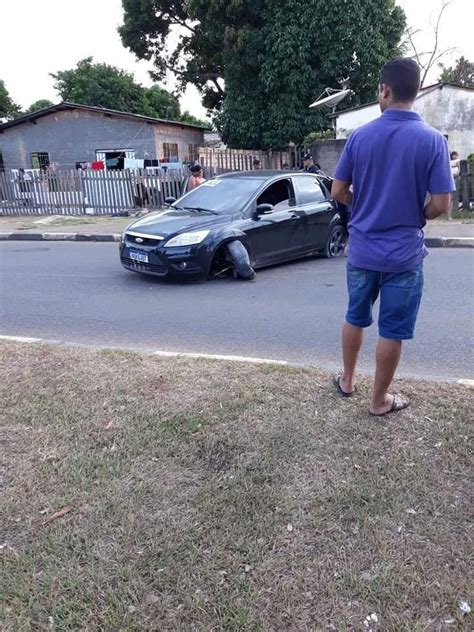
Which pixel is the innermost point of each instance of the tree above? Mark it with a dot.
(260, 63)
(106, 86)
(428, 59)
(41, 104)
(187, 117)
(161, 104)
(462, 73)
(197, 56)
(100, 85)
(8, 108)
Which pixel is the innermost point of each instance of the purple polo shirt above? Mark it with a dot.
(392, 162)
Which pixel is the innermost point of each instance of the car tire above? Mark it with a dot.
(240, 260)
(336, 243)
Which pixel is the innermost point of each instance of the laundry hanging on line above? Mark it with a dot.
(111, 163)
(133, 163)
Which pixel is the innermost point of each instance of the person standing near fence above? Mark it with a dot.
(456, 172)
(197, 177)
(392, 163)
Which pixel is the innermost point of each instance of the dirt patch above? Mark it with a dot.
(213, 496)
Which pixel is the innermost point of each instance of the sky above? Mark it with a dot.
(38, 38)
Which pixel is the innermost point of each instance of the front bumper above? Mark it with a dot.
(182, 262)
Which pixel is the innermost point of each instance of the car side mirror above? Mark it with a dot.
(264, 209)
(170, 200)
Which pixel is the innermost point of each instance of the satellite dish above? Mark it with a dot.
(332, 99)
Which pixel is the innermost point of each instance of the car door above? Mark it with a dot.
(278, 234)
(317, 208)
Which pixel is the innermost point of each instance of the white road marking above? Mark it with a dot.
(215, 356)
(179, 354)
(469, 383)
(163, 354)
(20, 339)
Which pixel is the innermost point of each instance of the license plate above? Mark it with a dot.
(141, 257)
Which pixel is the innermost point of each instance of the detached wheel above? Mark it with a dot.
(240, 260)
(336, 243)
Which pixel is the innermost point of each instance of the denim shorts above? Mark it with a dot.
(400, 297)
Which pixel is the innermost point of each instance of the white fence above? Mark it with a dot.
(95, 192)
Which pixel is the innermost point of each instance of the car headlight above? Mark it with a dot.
(122, 236)
(188, 239)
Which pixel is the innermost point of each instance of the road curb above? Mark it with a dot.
(449, 242)
(431, 242)
(59, 237)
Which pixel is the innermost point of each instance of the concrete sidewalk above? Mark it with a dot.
(439, 233)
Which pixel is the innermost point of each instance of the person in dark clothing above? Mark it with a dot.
(309, 165)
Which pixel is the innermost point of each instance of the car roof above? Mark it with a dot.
(259, 174)
(267, 174)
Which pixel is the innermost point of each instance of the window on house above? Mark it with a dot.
(170, 152)
(2, 166)
(193, 152)
(39, 160)
(114, 159)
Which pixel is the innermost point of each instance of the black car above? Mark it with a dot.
(236, 223)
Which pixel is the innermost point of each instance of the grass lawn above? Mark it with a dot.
(207, 496)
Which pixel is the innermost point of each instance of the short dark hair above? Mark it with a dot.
(403, 77)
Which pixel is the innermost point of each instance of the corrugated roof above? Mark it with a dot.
(66, 105)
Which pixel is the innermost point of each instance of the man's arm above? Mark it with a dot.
(440, 203)
(341, 191)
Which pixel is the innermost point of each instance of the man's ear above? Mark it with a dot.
(384, 90)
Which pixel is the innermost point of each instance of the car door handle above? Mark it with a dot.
(298, 214)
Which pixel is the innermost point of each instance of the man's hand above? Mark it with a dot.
(341, 192)
(439, 204)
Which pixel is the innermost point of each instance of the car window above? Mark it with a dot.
(280, 195)
(308, 190)
(222, 195)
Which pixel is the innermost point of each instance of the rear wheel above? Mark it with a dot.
(336, 243)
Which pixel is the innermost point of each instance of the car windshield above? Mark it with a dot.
(221, 195)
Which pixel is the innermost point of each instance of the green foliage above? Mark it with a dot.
(196, 57)
(160, 103)
(187, 117)
(273, 56)
(106, 86)
(8, 108)
(41, 104)
(461, 73)
(312, 137)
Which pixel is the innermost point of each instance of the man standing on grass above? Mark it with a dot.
(391, 163)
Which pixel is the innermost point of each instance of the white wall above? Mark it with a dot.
(349, 121)
(450, 110)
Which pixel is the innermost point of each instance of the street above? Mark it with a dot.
(79, 293)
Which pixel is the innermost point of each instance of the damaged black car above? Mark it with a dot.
(235, 224)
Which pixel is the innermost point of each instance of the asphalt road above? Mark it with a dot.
(78, 292)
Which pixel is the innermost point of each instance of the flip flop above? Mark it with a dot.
(399, 403)
(337, 383)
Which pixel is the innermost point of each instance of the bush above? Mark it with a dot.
(312, 137)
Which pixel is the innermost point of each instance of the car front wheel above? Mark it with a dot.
(336, 243)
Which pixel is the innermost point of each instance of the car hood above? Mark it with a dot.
(169, 221)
